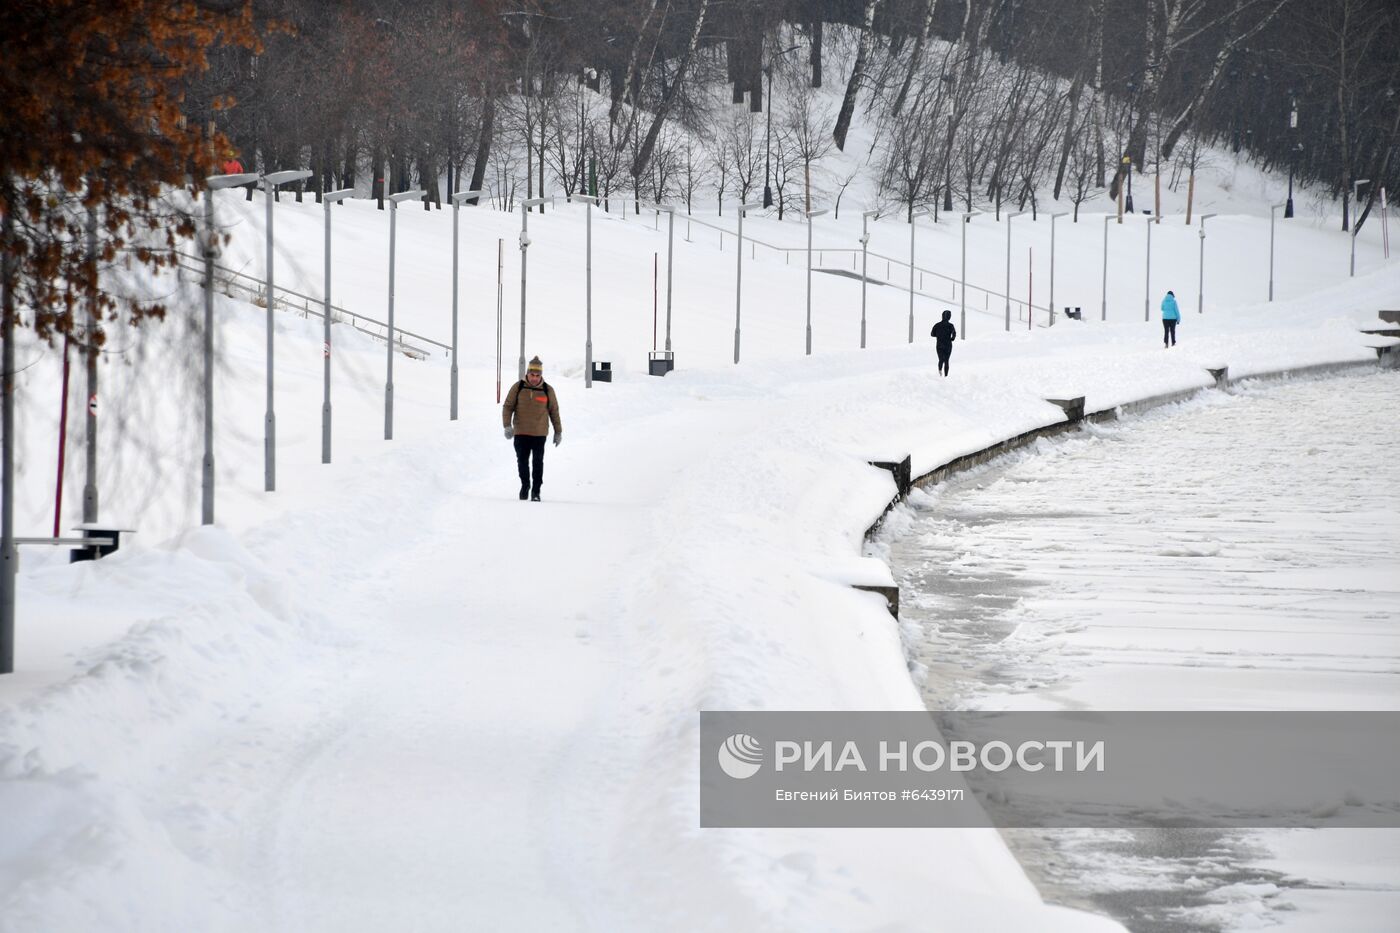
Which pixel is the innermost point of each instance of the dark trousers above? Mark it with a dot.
(1169, 333)
(529, 449)
(944, 351)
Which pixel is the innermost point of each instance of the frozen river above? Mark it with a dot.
(1237, 551)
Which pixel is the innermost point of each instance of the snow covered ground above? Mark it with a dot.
(1236, 551)
(390, 693)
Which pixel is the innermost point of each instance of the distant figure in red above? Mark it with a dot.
(232, 166)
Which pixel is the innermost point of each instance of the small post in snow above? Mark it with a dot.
(588, 201)
(913, 225)
(1273, 213)
(394, 201)
(270, 183)
(1385, 225)
(962, 286)
(810, 216)
(327, 199)
(670, 211)
(525, 206)
(500, 294)
(211, 252)
(1053, 217)
(1147, 281)
(90, 356)
(458, 199)
(1103, 310)
(739, 270)
(1009, 218)
(864, 265)
(1201, 284)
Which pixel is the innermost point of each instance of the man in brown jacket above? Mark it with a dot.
(530, 407)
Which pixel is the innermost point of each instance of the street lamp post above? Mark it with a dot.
(670, 211)
(1103, 308)
(524, 247)
(1201, 265)
(1293, 127)
(1147, 281)
(810, 216)
(1273, 212)
(1355, 211)
(327, 199)
(394, 201)
(90, 421)
(1053, 218)
(588, 201)
(1009, 218)
(739, 272)
(864, 265)
(913, 226)
(211, 252)
(270, 183)
(962, 287)
(458, 199)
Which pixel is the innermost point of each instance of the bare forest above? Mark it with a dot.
(984, 102)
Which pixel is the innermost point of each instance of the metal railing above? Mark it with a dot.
(306, 305)
(891, 262)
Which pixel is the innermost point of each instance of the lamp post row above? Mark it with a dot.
(272, 180)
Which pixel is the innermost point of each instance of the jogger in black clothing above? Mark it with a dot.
(945, 333)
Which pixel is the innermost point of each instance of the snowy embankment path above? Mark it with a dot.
(475, 733)
(466, 756)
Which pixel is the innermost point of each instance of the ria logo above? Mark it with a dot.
(741, 756)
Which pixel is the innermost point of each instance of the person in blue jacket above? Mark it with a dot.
(1170, 315)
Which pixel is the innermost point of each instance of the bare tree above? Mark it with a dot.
(804, 121)
(858, 75)
(745, 152)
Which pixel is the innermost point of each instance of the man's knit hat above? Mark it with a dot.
(535, 367)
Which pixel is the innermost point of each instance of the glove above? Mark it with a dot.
(558, 436)
(510, 432)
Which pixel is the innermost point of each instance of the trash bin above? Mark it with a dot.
(602, 371)
(96, 551)
(660, 362)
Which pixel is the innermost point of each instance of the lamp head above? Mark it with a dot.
(281, 178)
(231, 181)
